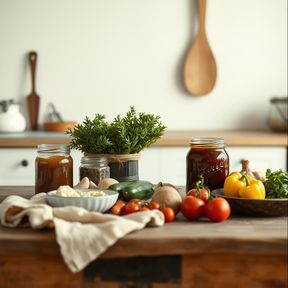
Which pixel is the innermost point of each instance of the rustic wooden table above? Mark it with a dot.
(240, 252)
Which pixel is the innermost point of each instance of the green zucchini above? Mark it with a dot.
(140, 189)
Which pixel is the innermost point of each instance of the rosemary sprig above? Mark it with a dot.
(124, 135)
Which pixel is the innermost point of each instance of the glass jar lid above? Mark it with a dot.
(53, 148)
(94, 160)
(207, 142)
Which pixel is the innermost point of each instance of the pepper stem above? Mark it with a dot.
(246, 179)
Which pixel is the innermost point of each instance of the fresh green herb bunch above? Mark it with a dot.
(125, 135)
(276, 184)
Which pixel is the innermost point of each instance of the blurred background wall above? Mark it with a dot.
(97, 56)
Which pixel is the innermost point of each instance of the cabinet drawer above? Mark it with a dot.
(18, 166)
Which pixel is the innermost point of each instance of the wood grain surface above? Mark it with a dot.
(170, 138)
(200, 69)
(240, 252)
(260, 235)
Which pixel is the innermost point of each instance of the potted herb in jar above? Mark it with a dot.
(120, 141)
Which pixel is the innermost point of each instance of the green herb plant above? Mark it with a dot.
(276, 184)
(124, 135)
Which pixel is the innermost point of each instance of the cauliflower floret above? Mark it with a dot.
(91, 193)
(97, 193)
(66, 191)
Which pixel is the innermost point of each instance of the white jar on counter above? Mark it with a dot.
(11, 119)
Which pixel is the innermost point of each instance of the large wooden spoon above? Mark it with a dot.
(200, 67)
(33, 99)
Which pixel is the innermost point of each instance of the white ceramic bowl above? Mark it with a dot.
(98, 203)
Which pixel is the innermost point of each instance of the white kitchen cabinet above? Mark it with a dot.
(165, 164)
(260, 158)
(168, 164)
(18, 166)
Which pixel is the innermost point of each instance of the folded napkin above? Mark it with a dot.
(81, 235)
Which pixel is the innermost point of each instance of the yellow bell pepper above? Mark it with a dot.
(233, 184)
(254, 189)
(238, 185)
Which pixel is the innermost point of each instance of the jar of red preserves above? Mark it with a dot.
(53, 167)
(209, 159)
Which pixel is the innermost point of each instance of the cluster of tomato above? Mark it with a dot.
(197, 204)
(138, 205)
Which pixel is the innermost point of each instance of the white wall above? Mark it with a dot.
(105, 55)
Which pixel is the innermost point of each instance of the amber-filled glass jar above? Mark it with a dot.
(53, 167)
(208, 158)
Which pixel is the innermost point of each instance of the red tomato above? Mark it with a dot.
(118, 208)
(169, 214)
(218, 209)
(192, 208)
(144, 209)
(131, 207)
(136, 200)
(153, 205)
(203, 194)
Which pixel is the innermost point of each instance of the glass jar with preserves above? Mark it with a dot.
(209, 159)
(95, 167)
(53, 167)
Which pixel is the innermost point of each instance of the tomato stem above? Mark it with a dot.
(200, 185)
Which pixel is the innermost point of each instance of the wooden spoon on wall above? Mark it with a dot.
(33, 99)
(200, 67)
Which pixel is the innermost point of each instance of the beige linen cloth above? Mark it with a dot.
(81, 235)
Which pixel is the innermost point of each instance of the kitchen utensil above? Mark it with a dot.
(200, 67)
(55, 121)
(96, 203)
(58, 126)
(33, 99)
(11, 120)
(278, 114)
(255, 207)
(54, 114)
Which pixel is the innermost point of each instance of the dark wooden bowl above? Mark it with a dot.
(255, 207)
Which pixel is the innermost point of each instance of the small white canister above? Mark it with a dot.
(11, 119)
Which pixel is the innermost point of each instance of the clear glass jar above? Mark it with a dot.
(94, 167)
(53, 167)
(278, 114)
(208, 158)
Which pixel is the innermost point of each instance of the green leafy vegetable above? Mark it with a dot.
(276, 184)
(125, 135)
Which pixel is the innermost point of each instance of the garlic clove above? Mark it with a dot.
(105, 183)
(246, 168)
(83, 184)
(92, 185)
(259, 175)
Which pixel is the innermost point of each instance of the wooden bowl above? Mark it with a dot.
(58, 126)
(255, 207)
